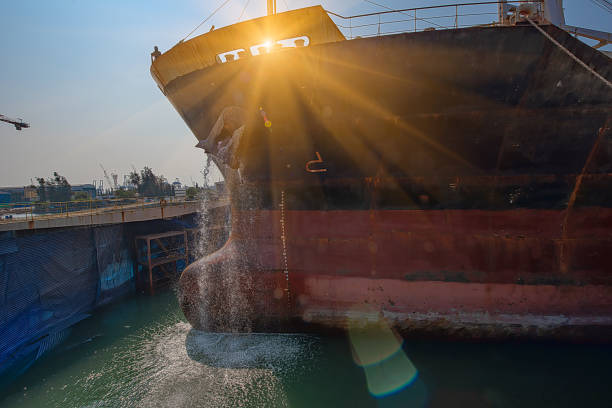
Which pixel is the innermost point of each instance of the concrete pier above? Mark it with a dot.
(103, 216)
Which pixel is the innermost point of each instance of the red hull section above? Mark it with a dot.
(519, 246)
(464, 272)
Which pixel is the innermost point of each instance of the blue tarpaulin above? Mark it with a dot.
(51, 279)
(115, 266)
(47, 283)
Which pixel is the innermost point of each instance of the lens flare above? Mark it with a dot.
(378, 350)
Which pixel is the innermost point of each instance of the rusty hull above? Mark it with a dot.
(456, 182)
(461, 273)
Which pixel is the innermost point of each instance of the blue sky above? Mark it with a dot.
(78, 71)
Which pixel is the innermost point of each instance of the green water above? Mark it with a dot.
(141, 353)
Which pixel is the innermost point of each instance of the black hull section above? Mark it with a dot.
(473, 118)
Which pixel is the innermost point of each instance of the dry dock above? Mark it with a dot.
(56, 268)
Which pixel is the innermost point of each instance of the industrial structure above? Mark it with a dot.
(18, 123)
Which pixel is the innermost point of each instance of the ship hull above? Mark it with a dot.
(422, 309)
(457, 273)
(454, 182)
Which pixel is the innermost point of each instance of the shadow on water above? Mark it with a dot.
(248, 350)
(311, 371)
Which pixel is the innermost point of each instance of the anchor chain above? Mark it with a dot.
(284, 244)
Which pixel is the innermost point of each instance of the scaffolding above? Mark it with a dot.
(156, 253)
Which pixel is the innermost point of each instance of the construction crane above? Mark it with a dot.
(18, 123)
(108, 180)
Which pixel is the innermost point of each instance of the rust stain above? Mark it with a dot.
(563, 258)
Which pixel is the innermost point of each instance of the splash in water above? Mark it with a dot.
(173, 365)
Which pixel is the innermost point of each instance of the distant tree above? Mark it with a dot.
(124, 193)
(54, 189)
(42, 191)
(191, 192)
(149, 184)
(134, 178)
(165, 188)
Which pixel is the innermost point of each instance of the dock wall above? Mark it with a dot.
(51, 279)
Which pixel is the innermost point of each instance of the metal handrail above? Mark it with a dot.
(453, 19)
(430, 7)
(412, 19)
(54, 209)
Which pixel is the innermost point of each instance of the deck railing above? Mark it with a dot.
(438, 17)
(29, 211)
